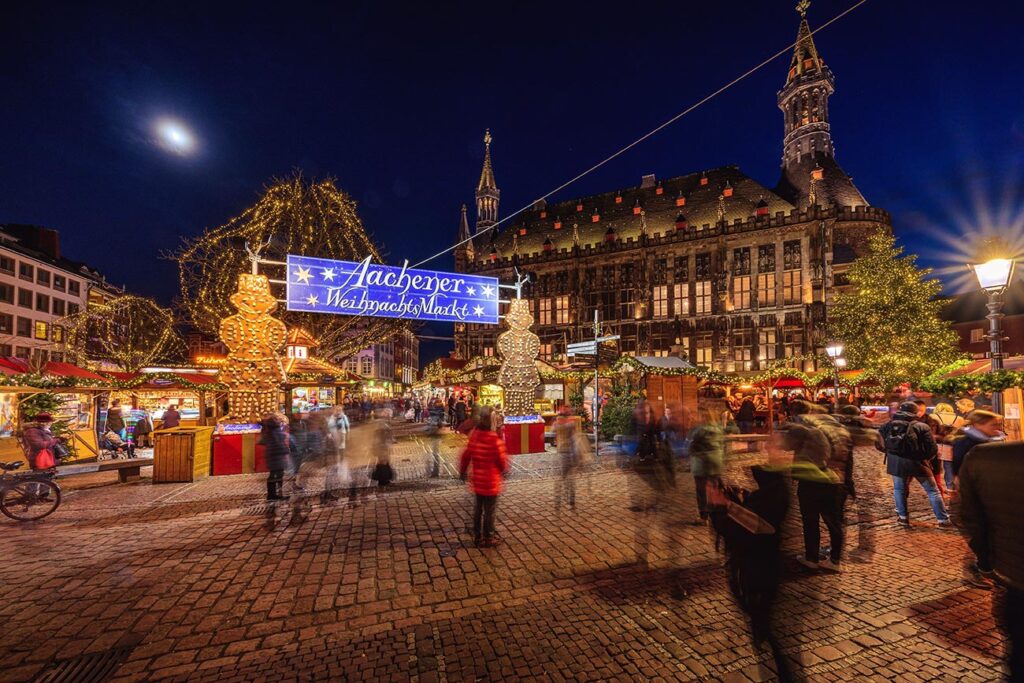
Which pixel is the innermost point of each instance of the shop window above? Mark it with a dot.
(22, 352)
(58, 306)
(25, 298)
(767, 340)
(793, 342)
(7, 266)
(702, 297)
(660, 302)
(742, 343)
(60, 283)
(546, 351)
(681, 298)
(562, 310)
(6, 324)
(741, 292)
(6, 351)
(26, 271)
(544, 311)
(74, 287)
(42, 303)
(766, 290)
(7, 293)
(43, 277)
(792, 287)
(704, 349)
(24, 328)
(42, 330)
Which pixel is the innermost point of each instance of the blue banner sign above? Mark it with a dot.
(319, 285)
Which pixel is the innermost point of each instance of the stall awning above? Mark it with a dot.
(318, 371)
(184, 381)
(19, 366)
(981, 367)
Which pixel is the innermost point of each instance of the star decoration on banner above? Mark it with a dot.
(488, 290)
(328, 274)
(312, 300)
(478, 311)
(303, 275)
(471, 291)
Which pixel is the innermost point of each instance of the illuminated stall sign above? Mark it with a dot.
(319, 285)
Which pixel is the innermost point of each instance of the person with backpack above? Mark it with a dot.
(909, 448)
(821, 465)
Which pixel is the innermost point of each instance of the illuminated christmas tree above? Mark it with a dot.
(292, 217)
(128, 331)
(889, 319)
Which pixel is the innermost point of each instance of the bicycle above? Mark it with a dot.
(28, 496)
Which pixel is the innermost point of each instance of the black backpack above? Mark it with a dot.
(903, 440)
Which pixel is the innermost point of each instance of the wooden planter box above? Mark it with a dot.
(181, 454)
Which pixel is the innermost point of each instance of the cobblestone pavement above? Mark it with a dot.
(203, 582)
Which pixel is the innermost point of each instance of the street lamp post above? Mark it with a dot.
(994, 276)
(835, 353)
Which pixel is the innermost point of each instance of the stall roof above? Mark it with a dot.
(20, 366)
(164, 380)
(665, 362)
(315, 366)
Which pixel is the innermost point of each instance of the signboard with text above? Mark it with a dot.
(317, 285)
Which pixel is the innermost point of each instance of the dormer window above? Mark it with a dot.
(727, 190)
(543, 214)
(703, 179)
(522, 230)
(579, 206)
(558, 224)
(681, 222)
(659, 189)
(548, 246)
(609, 235)
(618, 199)
(680, 200)
(596, 217)
(637, 208)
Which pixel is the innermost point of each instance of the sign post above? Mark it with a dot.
(588, 348)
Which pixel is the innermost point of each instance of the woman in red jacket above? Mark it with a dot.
(485, 455)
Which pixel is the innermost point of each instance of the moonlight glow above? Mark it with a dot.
(175, 137)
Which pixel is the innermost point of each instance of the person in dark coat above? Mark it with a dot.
(991, 513)
(276, 454)
(142, 433)
(895, 434)
(982, 426)
(745, 416)
(172, 418)
(115, 420)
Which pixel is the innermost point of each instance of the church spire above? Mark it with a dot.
(487, 193)
(464, 252)
(807, 143)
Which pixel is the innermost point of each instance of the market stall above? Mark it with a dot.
(666, 380)
(968, 386)
(194, 393)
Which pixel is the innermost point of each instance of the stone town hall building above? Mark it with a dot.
(711, 265)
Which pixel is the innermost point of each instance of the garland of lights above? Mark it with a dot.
(292, 217)
(254, 338)
(1000, 380)
(518, 347)
(129, 331)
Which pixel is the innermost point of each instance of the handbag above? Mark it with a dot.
(45, 459)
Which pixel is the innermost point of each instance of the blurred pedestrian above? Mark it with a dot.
(383, 473)
(115, 418)
(39, 443)
(565, 429)
(863, 434)
(485, 455)
(171, 418)
(745, 416)
(142, 433)
(989, 489)
(982, 426)
(909, 447)
(707, 453)
(275, 452)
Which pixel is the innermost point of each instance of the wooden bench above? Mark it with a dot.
(127, 470)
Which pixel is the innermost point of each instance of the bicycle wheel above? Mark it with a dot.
(30, 500)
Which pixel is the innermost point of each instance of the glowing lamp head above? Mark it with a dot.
(994, 275)
(834, 350)
(840, 362)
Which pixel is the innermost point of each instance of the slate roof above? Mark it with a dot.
(659, 212)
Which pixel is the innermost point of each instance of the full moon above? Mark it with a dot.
(175, 137)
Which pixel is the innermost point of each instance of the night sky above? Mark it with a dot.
(393, 100)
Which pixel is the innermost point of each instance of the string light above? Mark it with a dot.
(519, 347)
(253, 372)
(294, 217)
(129, 331)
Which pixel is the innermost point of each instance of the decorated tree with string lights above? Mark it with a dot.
(294, 216)
(889, 319)
(129, 332)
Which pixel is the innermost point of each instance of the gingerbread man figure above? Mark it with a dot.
(518, 347)
(254, 339)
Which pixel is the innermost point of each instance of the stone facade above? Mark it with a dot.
(734, 273)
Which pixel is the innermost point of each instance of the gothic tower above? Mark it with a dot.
(464, 252)
(810, 174)
(487, 193)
